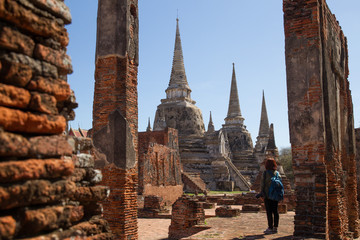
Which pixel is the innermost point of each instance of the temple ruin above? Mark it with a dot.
(50, 183)
(321, 122)
(223, 159)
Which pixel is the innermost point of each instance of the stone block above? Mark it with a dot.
(15, 73)
(56, 87)
(83, 160)
(227, 212)
(43, 103)
(18, 121)
(91, 194)
(26, 19)
(13, 40)
(56, 7)
(15, 97)
(55, 57)
(251, 208)
(13, 144)
(15, 171)
(49, 146)
(45, 219)
(7, 227)
(35, 192)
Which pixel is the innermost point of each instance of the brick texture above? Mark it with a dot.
(321, 122)
(159, 165)
(45, 193)
(116, 92)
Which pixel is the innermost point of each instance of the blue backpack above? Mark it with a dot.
(276, 190)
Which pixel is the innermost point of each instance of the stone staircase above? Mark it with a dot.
(237, 177)
(193, 183)
(247, 165)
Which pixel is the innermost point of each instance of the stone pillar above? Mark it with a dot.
(321, 121)
(115, 111)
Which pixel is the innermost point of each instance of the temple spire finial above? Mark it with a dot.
(234, 112)
(211, 127)
(264, 121)
(149, 129)
(178, 85)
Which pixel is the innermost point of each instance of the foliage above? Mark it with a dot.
(285, 159)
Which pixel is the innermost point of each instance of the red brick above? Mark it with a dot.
(56, 87)
(19, 121)
(14, 171)
(15, 97)
(25, 19)
(13, 40)
(58, 58)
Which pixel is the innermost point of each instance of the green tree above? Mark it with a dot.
(285, 159)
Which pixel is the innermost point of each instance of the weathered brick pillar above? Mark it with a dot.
(46, 191)
(115, 111)
(321, 121)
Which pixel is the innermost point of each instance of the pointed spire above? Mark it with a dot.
(234, 105)
(178, 76)
(148, 129)
(271, 144)
(264, 122)
(211, 127)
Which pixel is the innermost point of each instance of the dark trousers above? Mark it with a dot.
(272, 212)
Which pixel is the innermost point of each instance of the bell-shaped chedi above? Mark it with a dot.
(178, 110)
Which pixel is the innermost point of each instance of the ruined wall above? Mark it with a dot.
(44, 189)
(186, 218)
(159, 165)
(115, 111)
(321, 121)
(357, 140)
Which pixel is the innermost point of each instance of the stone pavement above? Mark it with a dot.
(246, 226)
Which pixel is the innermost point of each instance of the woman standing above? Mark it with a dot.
(270, 205)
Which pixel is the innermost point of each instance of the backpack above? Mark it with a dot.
(276, 190)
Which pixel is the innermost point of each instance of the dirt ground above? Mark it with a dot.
(246, 226)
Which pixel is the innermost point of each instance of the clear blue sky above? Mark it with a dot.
(214, 34)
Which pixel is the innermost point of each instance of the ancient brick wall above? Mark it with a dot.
(357, 140)
(321, 121)
(45, 191)
(187, 214)
(115, 111)
(159, 165)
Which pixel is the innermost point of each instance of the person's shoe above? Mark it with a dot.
(269, 231)
(275, 229)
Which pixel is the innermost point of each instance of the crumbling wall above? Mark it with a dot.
(321, 121)
(44, 192)
(357, 140)
(115, 111)
(187, 217)
(159, 165)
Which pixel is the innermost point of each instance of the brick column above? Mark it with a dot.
(321, 121)
(115, 111)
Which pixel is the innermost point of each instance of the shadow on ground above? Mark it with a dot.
(262, 236)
